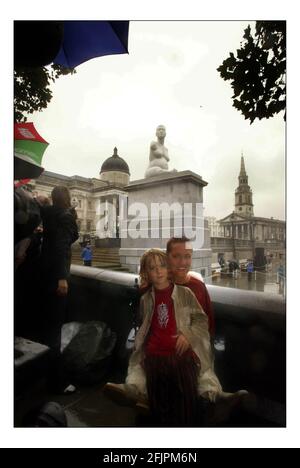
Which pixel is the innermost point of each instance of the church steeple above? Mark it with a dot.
(243, 194)
(243, 169)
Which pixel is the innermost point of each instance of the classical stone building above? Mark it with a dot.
(215, 228)
(245, 236)
(92, 197)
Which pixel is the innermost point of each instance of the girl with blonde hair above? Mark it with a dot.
(172, 362)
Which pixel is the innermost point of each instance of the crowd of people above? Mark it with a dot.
(44, 232)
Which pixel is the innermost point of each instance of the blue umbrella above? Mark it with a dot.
(84, 40)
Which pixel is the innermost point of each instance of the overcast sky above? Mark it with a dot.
(170, 78)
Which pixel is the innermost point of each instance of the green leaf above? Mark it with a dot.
(257, 72)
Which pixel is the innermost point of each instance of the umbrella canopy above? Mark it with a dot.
(43, 41)
(29, 148)
(19, 183)
(84, 40)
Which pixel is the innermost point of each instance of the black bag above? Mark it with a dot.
(87, 350)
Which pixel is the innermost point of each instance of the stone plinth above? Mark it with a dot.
(161, 207)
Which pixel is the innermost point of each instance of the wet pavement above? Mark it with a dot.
(259, 281)
(89, 407)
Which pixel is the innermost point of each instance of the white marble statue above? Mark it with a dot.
(158, 157)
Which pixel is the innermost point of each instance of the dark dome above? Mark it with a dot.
(115, 163)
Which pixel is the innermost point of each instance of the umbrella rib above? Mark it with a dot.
(125, 48)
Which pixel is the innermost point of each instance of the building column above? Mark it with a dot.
(114, 224)
(106, 222)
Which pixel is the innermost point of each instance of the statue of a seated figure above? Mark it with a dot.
(158, 157)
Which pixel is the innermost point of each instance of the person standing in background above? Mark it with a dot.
(87, 255)
(59, 232)
(250, 270)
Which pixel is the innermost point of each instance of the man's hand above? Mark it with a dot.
(182, 344)
(62, 289)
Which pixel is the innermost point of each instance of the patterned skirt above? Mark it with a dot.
(172, 389)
